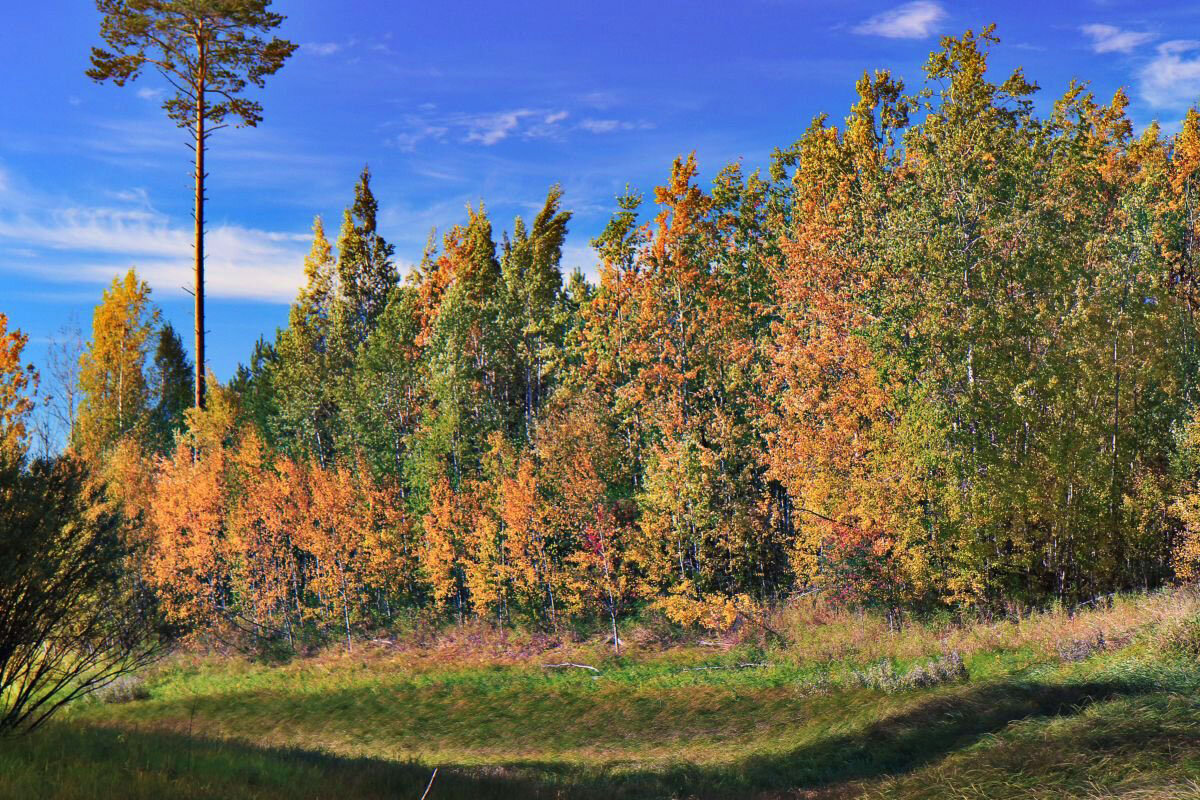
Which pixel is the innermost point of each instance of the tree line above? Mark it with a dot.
(941, 355)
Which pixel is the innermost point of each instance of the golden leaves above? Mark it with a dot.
(17, 384)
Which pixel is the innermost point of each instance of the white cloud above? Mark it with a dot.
(600, 125)
(486, 129)
(1172, 79)
(321, 49)
(409, 139)
(94, 243)
(1111, 39)
(915, 20)
(147, 93)
(138, 196)
(612, 125)
(547, 127)
(489, 129)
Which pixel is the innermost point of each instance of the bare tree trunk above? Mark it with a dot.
(345, 606)
(612, 600)
(612, 614)
(199, 216)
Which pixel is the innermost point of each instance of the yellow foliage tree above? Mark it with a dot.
(17, 383)
(112, 375)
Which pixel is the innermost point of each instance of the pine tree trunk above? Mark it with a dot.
(199, 232)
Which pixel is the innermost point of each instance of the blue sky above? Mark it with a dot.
(454, 103)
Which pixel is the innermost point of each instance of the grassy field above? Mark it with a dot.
(1103, 703)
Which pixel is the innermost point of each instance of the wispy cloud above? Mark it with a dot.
(592, 125)
(417, 133)
(487, 129)
(72, 244)
(147, 93)
(1172, 78)
(137, 196)
(1111, 39)
(323, 49)
(599, 125)
(437, 174)
(355, 49)
(915, 20)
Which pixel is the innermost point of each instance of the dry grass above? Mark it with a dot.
(810, 632)
(818, 634)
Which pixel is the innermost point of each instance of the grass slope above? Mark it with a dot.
(1122, 721)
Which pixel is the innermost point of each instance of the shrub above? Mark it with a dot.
(72, 621)
(884, 677)
(881, 676)
(125, 689)
(948, 669)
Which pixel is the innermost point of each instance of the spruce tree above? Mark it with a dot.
(171, 386)
(365, 272)
(533, 298)
(254, 386)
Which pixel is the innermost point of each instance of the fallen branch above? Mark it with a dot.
(570, 664)
(749, 665)
(1093, 600)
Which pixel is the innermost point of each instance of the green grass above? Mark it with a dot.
(1125, 722)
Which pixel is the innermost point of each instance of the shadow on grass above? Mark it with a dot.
(103, 762)
(897, 744)
(902, 742)
(74, 762)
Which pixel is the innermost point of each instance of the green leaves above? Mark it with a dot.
(207, 50)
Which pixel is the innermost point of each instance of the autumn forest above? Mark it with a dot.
(941, 355)
(871, 472)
